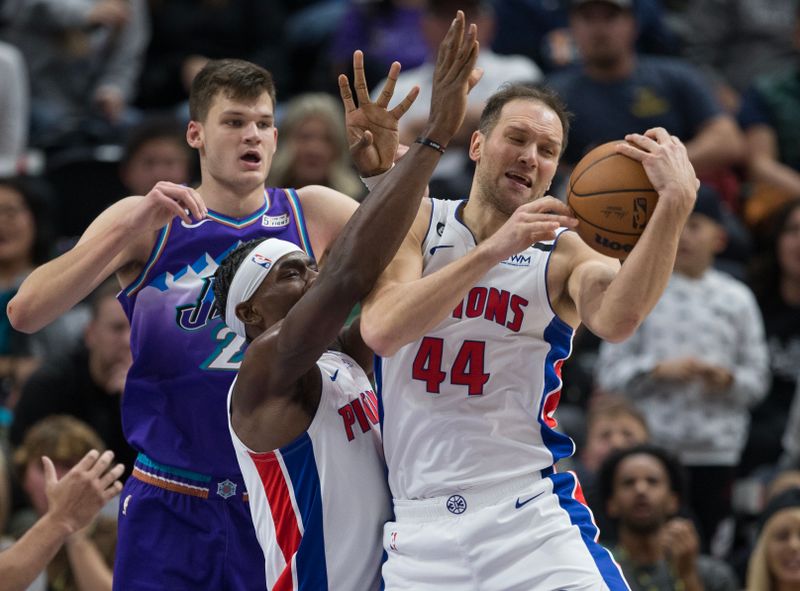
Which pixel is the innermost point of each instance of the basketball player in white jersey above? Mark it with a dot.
(473, 320)
(304, 420)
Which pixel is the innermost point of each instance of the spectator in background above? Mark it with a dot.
(770, 117)
(615, 91)
(156, 150)
(313, 148)
(88, 555)
(385, 30)
(26, 240)
(187, 33)
(733, 41)
(642, 489)
(775, 561)
(776, 283)
(454, 172)
(87, 382)
(696, 365)
(84, 59)
(13, 109)
(539, 29)
(72, 502)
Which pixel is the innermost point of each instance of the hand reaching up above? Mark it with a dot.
(372, 128)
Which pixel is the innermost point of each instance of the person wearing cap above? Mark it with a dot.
(615, 91)
(304, 419)
(775, 562)
(696, 365)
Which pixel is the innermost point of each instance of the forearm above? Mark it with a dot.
(20, 564)
(719, 145)
(777, 174)
(399, 313)
(58, 285)
(87, 565)
(639, 283)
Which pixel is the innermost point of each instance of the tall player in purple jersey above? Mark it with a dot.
(304, 418)
(184, 521)
(473, 319)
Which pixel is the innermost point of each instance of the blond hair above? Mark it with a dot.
(62, 438)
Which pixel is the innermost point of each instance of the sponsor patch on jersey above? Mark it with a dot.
(261, 261)
(275, 221)
(517, 260)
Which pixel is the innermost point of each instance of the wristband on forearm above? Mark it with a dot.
(426, 141)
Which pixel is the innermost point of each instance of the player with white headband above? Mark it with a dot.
(304, 419)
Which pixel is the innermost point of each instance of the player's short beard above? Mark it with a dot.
(489, 195)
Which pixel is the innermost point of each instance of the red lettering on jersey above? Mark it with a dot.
(517, 303)
(370, 402)
(497, 305)
(457, 313)
(363, 422)
(476, 302)
(349, 419)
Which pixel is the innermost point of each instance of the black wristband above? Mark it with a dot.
(426, 141)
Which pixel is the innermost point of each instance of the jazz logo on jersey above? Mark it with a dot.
(363, 410)
(262, 261)
(275, 221)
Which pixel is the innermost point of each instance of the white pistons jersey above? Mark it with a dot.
(320, 502)
(472, 402)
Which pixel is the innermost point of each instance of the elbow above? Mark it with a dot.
(19, 317)
(620, 330)
(377, 335)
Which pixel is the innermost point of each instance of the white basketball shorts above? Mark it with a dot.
(528, 534)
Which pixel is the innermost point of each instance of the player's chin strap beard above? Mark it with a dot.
(251, 273)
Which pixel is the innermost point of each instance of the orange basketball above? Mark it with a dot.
(612, 198)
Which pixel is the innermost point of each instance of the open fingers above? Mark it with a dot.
(102, 463)
(359, 78)
(452, 42)
(87, 461)
(111, 476)
(388, 89)
(347, 96)
(50, 476)
(406, 103)
(171, 204)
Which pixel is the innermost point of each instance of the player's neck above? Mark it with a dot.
(641, 548)
(482, 218)
(231, 200)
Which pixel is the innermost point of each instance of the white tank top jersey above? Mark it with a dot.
(472, 402)
(320, 502)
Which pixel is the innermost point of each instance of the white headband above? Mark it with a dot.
(251, 273)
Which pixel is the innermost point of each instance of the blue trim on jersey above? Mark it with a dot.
(460, 220)
(298, 457)
(564, 484)
(241, 223)
(377, 370)
(180, 472)
(559, 335)
(155, 254)
(297, 208)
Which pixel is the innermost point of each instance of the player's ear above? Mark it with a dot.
(194, 134)
(247, 313)
(476, 145)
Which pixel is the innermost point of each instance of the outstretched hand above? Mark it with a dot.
(80, 494)
(372, 129)
(455, 75)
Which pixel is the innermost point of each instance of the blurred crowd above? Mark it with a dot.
(687, 434)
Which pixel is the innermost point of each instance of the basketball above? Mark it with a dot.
(612, 198)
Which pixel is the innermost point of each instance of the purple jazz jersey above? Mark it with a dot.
(184, 356)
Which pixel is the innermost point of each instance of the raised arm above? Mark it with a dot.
(118, 237)
(373, 234)
(612, 304)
